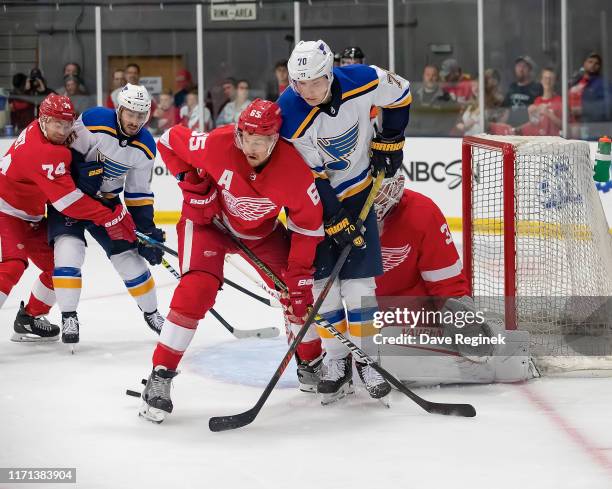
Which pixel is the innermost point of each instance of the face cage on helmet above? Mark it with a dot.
(388, 196)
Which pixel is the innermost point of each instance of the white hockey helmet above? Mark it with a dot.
(389, 195)
(310, 60)
(135, 98)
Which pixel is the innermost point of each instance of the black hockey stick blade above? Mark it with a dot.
(446, 409)
(233, 421)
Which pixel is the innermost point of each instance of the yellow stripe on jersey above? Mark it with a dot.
(144, 147)
(360, 89)
(67, 283)
(324, 334)
(305, 123)
(355, 189)
(138, 202)
(108, 129)
(142, 289)
(363, 329)
(403, 103)
(319, 175)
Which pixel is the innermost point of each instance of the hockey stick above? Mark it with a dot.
(466, 410)
(271, 332)
(223, 423)
(170, 251)
(274, 294)
(448, 409)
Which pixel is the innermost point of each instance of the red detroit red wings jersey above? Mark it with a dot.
(250, 200)
(34, 172)
(419, 256)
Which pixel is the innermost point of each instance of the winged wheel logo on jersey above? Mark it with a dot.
(392, 257)
(247, 208)
(339, 148)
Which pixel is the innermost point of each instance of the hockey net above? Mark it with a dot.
(537, 247)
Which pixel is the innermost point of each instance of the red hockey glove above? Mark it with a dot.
(296, 302)
(119, 225)
(200, 199)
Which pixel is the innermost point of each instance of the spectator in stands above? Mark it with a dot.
(590, 95)
(21, 107)
(456, 83)
(434, 111)
(190, 113)
(132, 74)
(546, 111)
(74, 69)
(229, 92)
(522, 92)
(280, 82)
(469, 123)
(117, 82)
(184, 84)
(166, 114)
(231, 111)
(71, 90)
(494, 98)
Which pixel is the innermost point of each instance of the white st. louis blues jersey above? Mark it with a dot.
(335, 143)
(128, 162)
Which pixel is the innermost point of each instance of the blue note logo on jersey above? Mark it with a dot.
(112, 169)
(339, 148)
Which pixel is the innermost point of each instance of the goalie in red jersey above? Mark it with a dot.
(243, 176)
(36, 171)
(421, 262)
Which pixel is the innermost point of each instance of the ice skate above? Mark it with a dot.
(309, 374)
(336, 379)
(70, 330)
(29, 328)
(154, 320)
(156, 402)
(377, 387)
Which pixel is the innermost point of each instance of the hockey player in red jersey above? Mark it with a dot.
(36, 171)
(243, 175)
(420, 258)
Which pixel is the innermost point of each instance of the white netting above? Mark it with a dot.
(563, 248)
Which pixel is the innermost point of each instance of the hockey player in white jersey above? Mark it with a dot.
(117, 155)
(326, 116)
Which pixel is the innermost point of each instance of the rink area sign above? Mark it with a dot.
(233, 11)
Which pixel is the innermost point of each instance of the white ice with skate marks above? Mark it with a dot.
(62, 410)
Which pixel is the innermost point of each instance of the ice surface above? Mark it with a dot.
(62, 410)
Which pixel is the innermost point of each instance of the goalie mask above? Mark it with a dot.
(389, 195)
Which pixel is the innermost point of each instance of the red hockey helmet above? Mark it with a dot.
(58, 107)
(261, 117)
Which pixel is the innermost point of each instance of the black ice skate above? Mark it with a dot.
(154, 320)
(377, 387)
(70, 329)
(336, 379)
(28, 328)
(156, 403)
(309, 373)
